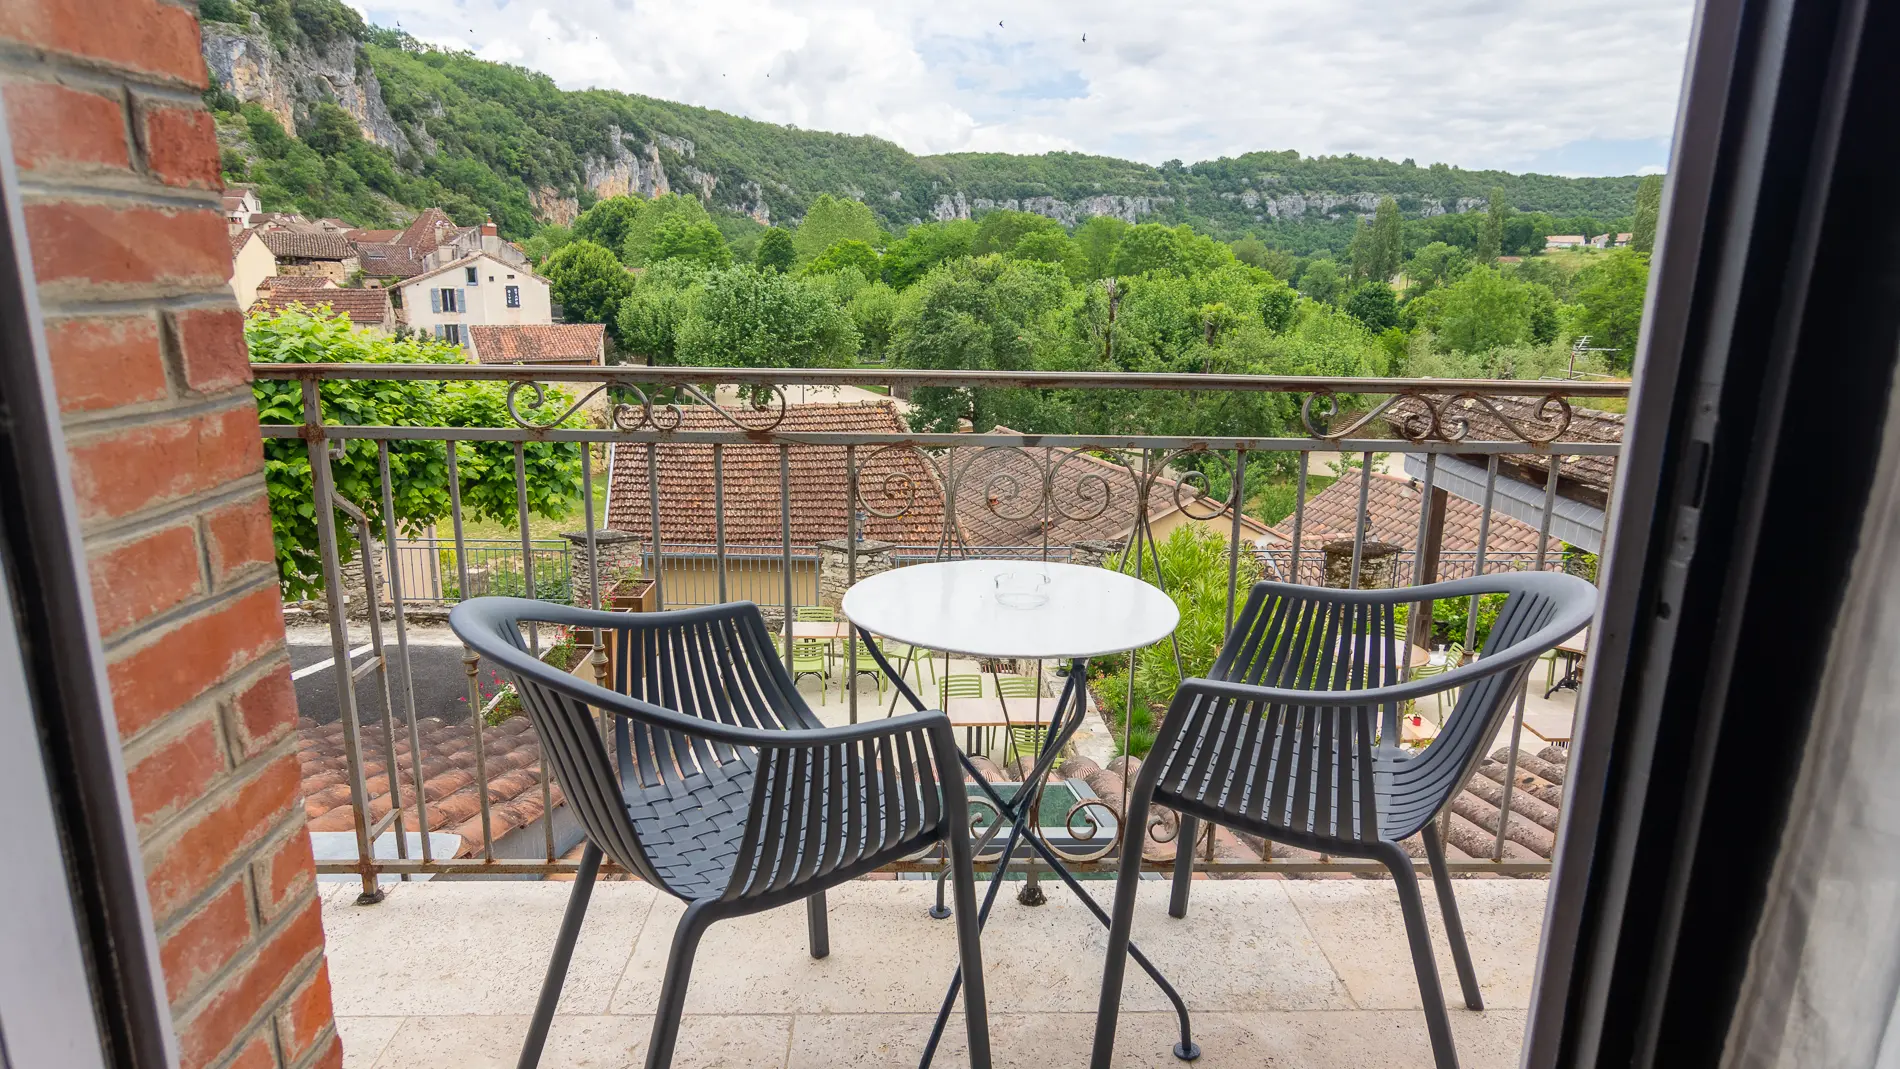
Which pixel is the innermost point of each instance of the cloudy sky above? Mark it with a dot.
(1578, 87)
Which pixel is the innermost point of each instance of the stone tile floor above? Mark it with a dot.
(1277, 973)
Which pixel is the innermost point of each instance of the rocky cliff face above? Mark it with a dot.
(246, 64)
(1128, 209)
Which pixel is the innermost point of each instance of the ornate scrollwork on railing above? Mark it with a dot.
(1083, 827)
(642, 413)
(1422, 417)
(540, 404)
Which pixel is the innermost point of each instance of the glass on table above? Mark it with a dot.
(1022, 588)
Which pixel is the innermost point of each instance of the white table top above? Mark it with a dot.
(951, 605)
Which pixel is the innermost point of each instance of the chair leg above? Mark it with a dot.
(1121, 923)
(679, 969)
(1454, 924)
(976, 1014)
(1431, 993)
(818, 925)
(1185, 834)
(563, 953)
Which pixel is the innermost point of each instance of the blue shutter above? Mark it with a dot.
(438, 332)
(435, 301)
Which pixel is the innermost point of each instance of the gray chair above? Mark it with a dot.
(1293, 736)
(724, 790)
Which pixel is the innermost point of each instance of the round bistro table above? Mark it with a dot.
(955, 606)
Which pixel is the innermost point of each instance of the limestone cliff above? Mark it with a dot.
(289, 82)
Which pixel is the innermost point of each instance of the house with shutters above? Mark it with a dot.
(477, 290)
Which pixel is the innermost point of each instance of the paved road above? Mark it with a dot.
(440, 679)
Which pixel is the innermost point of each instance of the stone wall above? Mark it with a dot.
(1091, 552)
(1378, 565)
(834, 566)
(619, 554)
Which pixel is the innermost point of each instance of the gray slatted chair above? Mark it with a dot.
(724, 790)
(1293, 736)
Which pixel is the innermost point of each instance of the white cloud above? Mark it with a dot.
(1479, 83)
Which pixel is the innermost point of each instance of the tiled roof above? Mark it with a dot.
(818, 482)
(238, 239)
(297, 282)
(366, 308)
(1392, 502)
(389, 260)
(539, 343)
(464, 261)
(1585, 478)
(322, 246)
(512, 754)
(428, 230)
(997, 498)
(360, 236)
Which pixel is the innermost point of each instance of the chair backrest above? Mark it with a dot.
(823, 614)
(960, 685)
(809, 647)
(715, 664)
(1018, 686)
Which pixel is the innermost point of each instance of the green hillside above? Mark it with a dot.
(487, 137)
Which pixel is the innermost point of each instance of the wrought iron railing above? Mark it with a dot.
(1139, 476)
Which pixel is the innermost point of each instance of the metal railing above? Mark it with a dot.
(1150, 476)
(431, 569)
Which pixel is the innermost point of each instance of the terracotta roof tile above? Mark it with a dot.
(238, 239)
(1585, 478)
(320, 246)
(297, 282)
(1392, 502)
(539, 343)
(366, 308)
(428, 230)
(752, 483)
(389, 260)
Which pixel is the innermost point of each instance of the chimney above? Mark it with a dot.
(491, 237)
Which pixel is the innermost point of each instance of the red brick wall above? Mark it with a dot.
(119, 166)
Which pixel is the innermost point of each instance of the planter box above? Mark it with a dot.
(633, 597)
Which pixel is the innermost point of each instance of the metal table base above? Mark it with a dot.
(1017, 814)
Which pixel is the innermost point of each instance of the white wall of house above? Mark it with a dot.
(449, 297)
(252, 264)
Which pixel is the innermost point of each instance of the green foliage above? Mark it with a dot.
(650, 317)
(1482, 310)
(1320, 281)
(986, 313)
(636, 248)
(851, 253)
(607, 223)
(545, 242)
(1052, 246)
(678, 238)
(775, 250)
(1193, 572)
(1277, 304)
(999, 231)
(1098, 237)
(1434, 265)
(1149, 247)
(874, 310)
(1610, 298)
(1373, 304)
(587, 281)
(418, 469)
(834, 219)
(743, 317)
(357, 181)
(1648, 206)
(923, 247)
(1491, 234)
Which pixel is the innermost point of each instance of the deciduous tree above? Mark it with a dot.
(587, 281)
(775, 251)
(831, 220)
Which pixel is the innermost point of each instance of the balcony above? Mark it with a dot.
(1309, 973)
(438, 941)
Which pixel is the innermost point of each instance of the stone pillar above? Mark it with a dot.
(1378, 564)
(619, 558)
(834, 566)
(1091, 552)
(355, 593)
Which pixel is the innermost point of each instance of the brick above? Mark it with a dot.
(58, 128)
(120, 472)
(193, 861)
(305, 1017)
(103, 362)
(255, 1055)
(137, 580)
(238, 539)
(190, 658)
(147, 36)
(211, 348)
(286, 876)
(332, 1056)
(208, 940)
(181, 146)
(264, 712)
(175, 774)
(95, 245)
(228, 1012)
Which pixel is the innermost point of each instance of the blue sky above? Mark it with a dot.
(1584, 87)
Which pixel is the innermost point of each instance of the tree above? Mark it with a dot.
(834, 219)
(1432, 266)
(747, 318)
(1491, 236)
(332, 130)
(677, 238)
(636, 249)
(999, 231)
(1052, 246)
(1251, 251)
(775, 251)
(1373, 304)
(1098, 237)
(1610, 299)
(852, 253)
(418, 469)
(874, 310)
(587, 282)
(649, 318)
(607, 222)
(1277, 305)
(1320, 280)
(1147, 247)
(1388, 240)
(978, 313)
(1648, 206)
(923, 247)
(545, 241)
(1482, 311)
(1359, 250)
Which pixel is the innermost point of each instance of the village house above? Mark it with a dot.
(478, 290)
(252, 263)
(327, 254)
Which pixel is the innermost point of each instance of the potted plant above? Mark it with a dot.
(628, 592)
